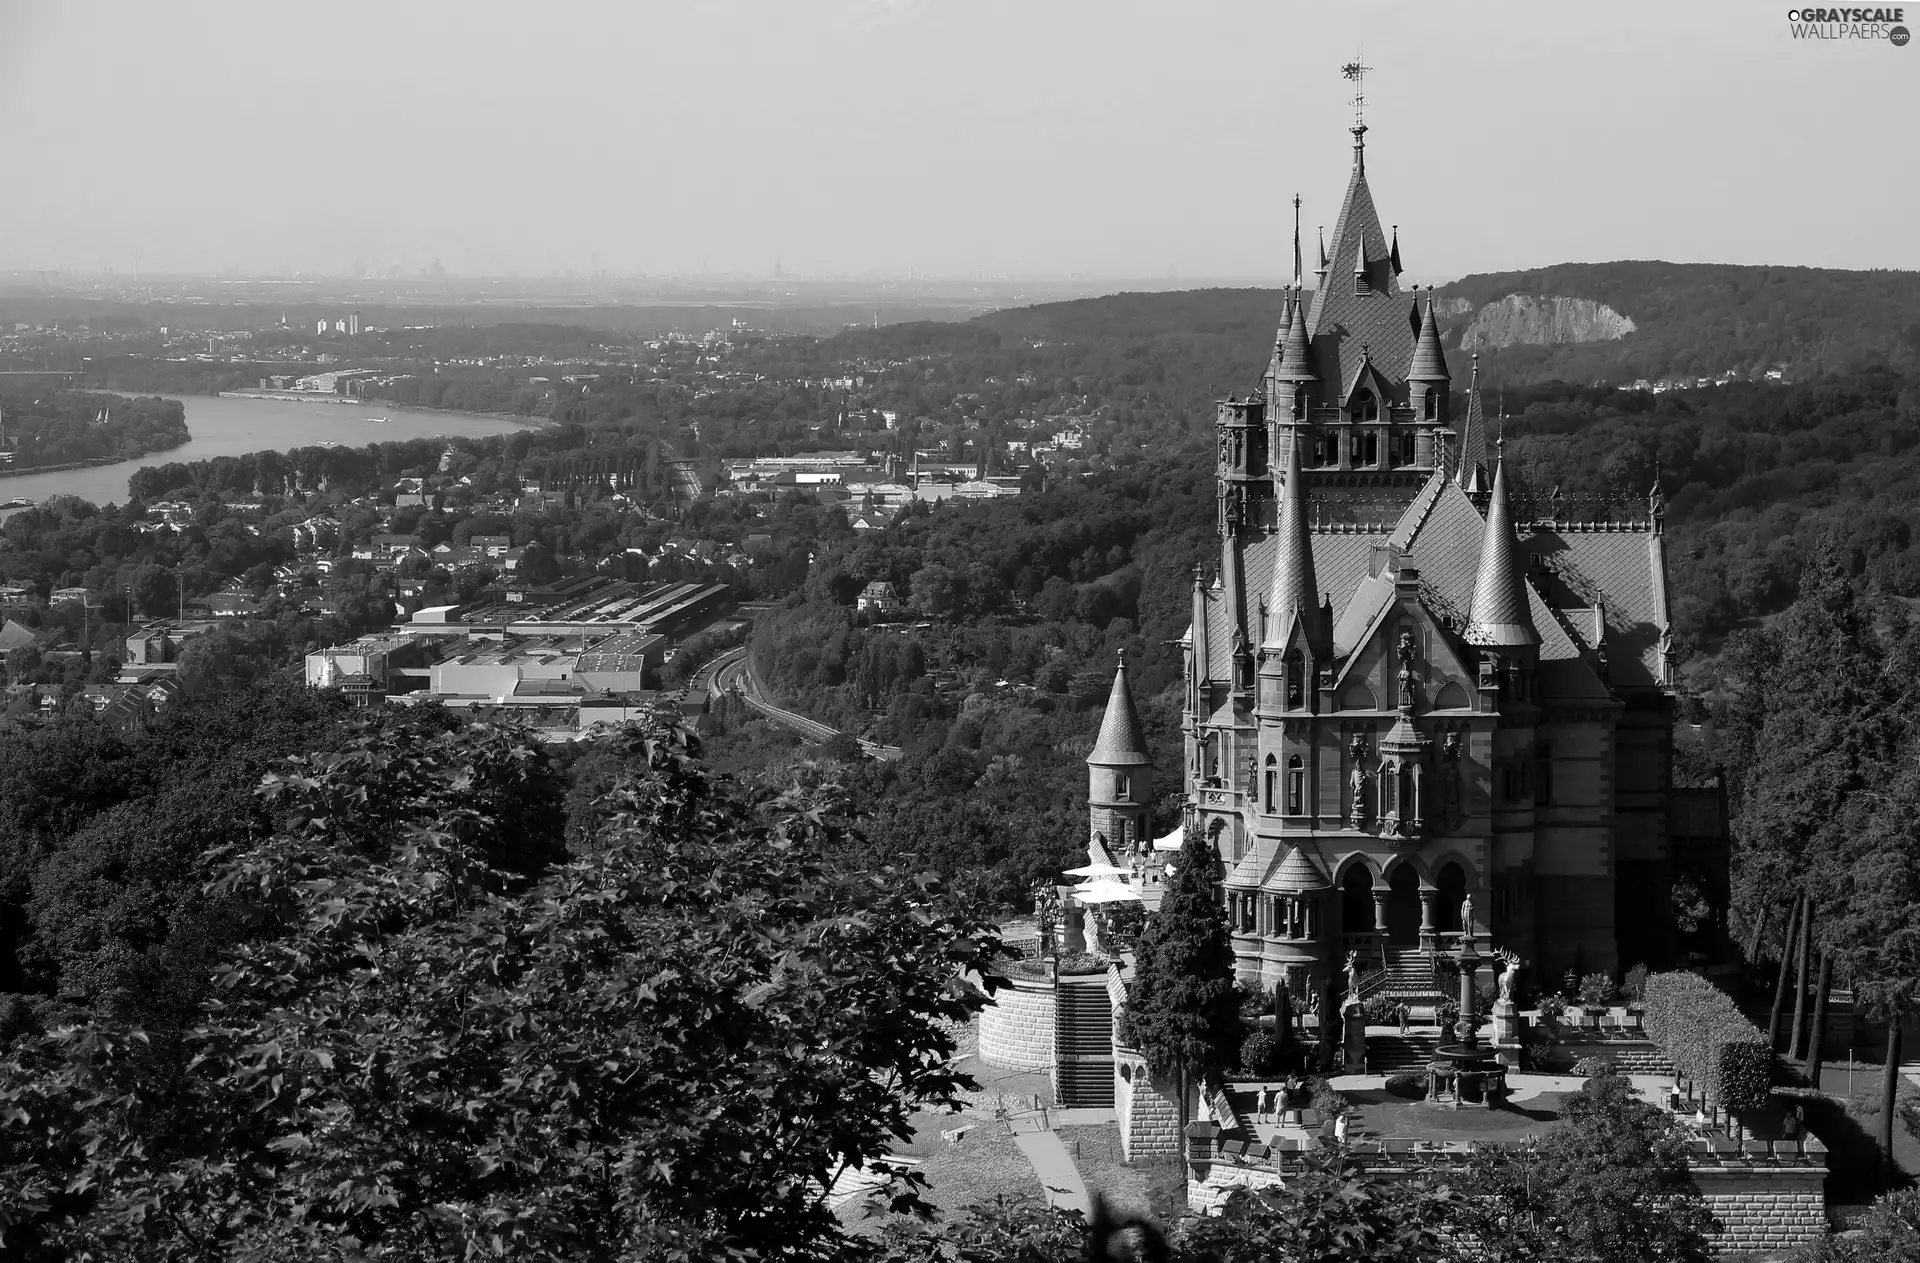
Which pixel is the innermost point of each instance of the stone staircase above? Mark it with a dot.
(1083, 1046)
(1391, 1054)
(1408, 978)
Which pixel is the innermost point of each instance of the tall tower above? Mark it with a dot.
(1119, 779)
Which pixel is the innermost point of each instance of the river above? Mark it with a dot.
(232, 427)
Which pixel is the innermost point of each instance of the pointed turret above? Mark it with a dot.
(1429, 361)
(1323, 252)
(1500, 615)
(1394, 255)
(1121, 742)
(1202, 657)
(1296, 364)
(1472, 474)
(1294, 593)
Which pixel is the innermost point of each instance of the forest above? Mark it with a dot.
(39, 429)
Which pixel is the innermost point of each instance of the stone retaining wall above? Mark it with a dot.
(1760, 1208)
(1147, 1110)
(1765, 1208)
(1016, 1029)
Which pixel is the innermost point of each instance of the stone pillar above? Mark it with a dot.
(1380, 913)
(1467, 1028)
(1427, 940)
(1355, 1029)
(1506, 1033)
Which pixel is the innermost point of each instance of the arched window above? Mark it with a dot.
(1296, 786)
(1299, 403)
(1389, 785)
(1271, 790)
(1296, 674)
(1122, 787)
(1431, 400)
(1366, 407)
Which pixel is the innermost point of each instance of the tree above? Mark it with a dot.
(668, 1047)
(1181, 1011)
(1608, 1183)
(930, 590)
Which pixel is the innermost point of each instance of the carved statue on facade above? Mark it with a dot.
(1509, 975)
(1359, 783)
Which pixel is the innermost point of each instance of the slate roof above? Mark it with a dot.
(1341, 320)
(1301, 871)
(1121, 741)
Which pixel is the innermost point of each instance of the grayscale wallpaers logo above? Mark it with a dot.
(1872, 24)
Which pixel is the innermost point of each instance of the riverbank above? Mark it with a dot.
(307, 396)
(8, 471)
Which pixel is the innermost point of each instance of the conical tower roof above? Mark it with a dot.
(1473, 438)
(1294, 593)
(1300, 871)
(1296, 365)
(1500, 614)
(1429, 361)
(1121, 742)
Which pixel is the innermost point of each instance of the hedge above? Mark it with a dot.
(1708, 1040)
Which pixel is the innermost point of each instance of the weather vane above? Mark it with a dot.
(1356, 70)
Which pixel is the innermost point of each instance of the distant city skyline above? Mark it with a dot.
(866, 140)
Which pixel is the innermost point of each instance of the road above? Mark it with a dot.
(730, 673)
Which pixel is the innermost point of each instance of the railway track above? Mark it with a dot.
(731, 674)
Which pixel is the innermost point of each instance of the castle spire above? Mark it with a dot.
(1322, 269)
(1295, 363)
(1429, 361)
(1295, 593)
(1472, 474)
(1297, 277)
(1202, 662)
(1121, 741)
(1394, 254)
(1500, 615)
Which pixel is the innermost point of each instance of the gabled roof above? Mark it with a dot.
(1367, 373)
(1121, 741)
(1340, 319)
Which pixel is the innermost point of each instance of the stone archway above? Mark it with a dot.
(1450, 885)
(1403, 907)
(1356, 900)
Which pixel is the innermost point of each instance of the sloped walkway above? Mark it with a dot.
(1054, 1165)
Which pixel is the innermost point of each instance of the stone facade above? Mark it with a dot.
(1421, 700)
(1147, 1110)
(1017, 1028)
(1765, 1208)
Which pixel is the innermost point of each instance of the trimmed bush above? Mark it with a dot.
(1325, 1101)
(1596, 990)
(1260, 1054)
(1708, 1040)
(1634, 985)
(1380, 1010)
(1408, 1084)
(1590, 1067)
(1745, 1068)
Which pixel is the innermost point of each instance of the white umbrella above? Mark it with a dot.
(1106, 892)
(1098, 870)
(1171, 842)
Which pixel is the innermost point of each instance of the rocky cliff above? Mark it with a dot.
(1543, 320)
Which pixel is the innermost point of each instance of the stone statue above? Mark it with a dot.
(1353, 975)
(1359, 782)
(1466, 915)
(1508, 976)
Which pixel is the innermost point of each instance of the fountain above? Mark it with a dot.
(1473, 1068)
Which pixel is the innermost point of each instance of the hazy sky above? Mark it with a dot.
(1034, 137)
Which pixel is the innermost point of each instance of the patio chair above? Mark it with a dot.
(1397, 1146)
(1757, 1150)
(1699, 1146)
(1234, 1148)
(1284, 1145)
(1724, 1146)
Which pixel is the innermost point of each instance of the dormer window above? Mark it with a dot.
(1366, 407)
(1296, 679)
(1362, 283)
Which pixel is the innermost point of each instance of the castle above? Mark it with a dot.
(1417, 703)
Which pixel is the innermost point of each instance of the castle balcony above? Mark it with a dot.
(1218, 798)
